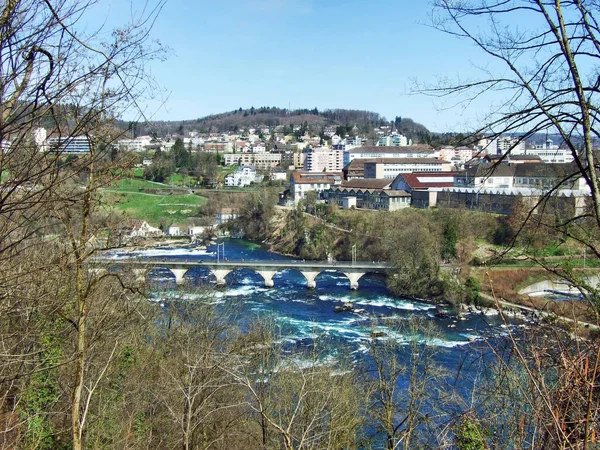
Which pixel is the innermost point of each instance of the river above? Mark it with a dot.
(302, 315)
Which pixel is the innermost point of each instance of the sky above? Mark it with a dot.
(355, 54)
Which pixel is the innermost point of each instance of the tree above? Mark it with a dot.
(546, 81)
(181, 156)
(550, 82)
(74, 84)
(301, 399)
(399, 410)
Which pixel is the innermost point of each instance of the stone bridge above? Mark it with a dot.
(267, 269)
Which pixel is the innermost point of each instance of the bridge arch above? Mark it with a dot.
(199, 276)
(294, 277)
(242, 275)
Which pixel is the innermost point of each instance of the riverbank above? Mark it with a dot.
(497, 283)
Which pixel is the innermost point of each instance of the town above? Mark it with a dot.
(353, 171)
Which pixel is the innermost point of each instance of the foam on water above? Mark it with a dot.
(240, 290)
(394, 303)
(158, 252)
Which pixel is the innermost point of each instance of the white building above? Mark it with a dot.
(225, 215)
(501, 145)
(551, 153)
(196, 231)
(244, 176)
(262, 161)
(393, 140)
(302, 183)
(391, 167)
(140, 228)
(411, 151)
(138, 144)
(39, 137)
(173, 231)
(72, 144)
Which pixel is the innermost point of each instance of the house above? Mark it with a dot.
(301, 183)
(224, 215)
(173, 230)
(278, 174)
(244, 176)
(139, 228)
(195, 231)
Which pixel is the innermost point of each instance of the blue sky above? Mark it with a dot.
(358, 54)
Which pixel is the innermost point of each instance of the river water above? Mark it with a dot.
(302, 315)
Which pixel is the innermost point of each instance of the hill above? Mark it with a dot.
(266, 116)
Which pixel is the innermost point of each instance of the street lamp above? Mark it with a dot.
(219, 245)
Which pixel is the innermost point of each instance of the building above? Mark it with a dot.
(566, 203)
(391, 167)
(225, 215)
(174, 230)
(139, 228)
(301, 183)
(39, 137)
(547, 176)
(243, 176)
(354, 170)
(139, 144)
(513, 159)
(196, 231)
(550, 153)
(278, 174)
(457, 154)
(323, 159)
(393, 140)
(367, 194)
(374, 152)
(499, 188)
(487, 175)
(262, 161)
(71, 144)
(423, 186)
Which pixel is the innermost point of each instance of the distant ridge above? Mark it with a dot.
(351, 121)
(268, 116)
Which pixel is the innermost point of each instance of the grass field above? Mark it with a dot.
(154, 208)
(142, 199)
